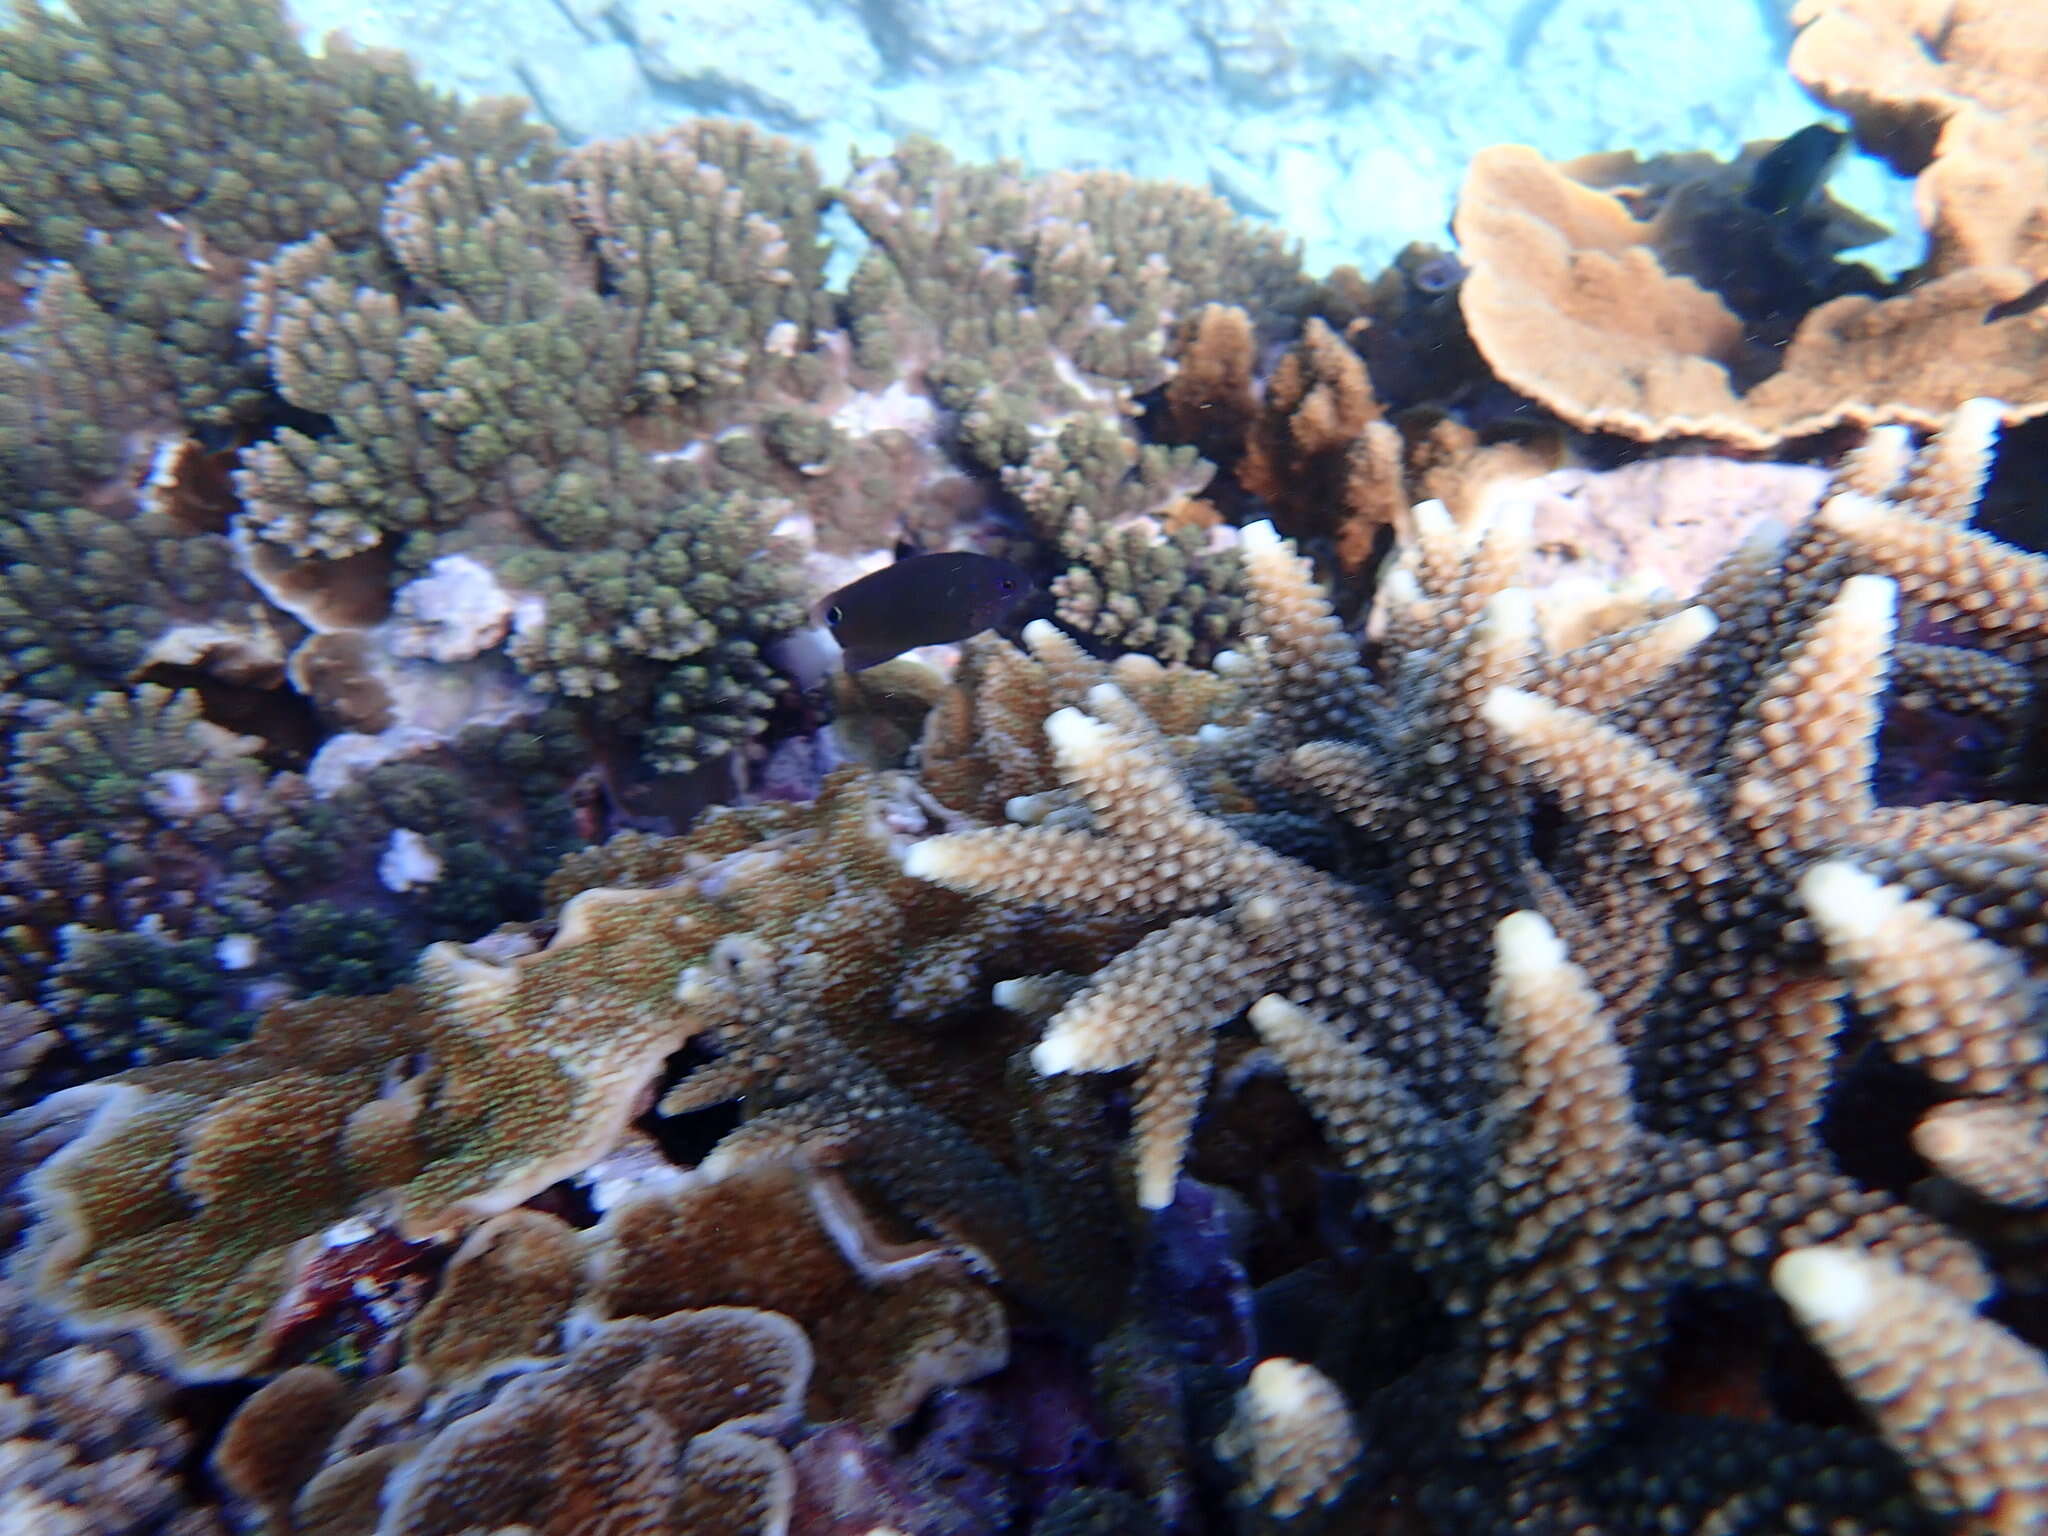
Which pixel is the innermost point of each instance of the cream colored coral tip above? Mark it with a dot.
(1074, 734)
(1526, 945)
(1950, 1138)
(1849, 510)
(928, 860)
(1512, 710)
(1400, 589)
(1870, 596)
(1058, 1052)
(1979, 416)
(1275, 1015)
(1103, 696)
(1040, 633)
(1694, 624)
(1259, 537)
(1284, 1387)
(1014, 993)
(1824, 1285)
(1432, 519)
(1512, 609)
(1846, 902)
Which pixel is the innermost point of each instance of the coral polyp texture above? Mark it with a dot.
(1457, 974)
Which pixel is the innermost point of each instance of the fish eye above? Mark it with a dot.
(835, 615)
(1009, 585)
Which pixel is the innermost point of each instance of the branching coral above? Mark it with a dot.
(163, 152)
(1650, 1123)
(1460, 1021)
(157, 881)
(551, 334)
(510, 1067)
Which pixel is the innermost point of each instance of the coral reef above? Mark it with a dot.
(1464, 975)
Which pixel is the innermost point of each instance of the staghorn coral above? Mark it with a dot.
(1655, 1118)
(1293, 1433)
(560, 407)
(1964, 1400)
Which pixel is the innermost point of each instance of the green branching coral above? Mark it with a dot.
(1037, 311)
(981, 263)
(89, 599)
(1141, 573)
(161, 149)
(504, 404)
(79, 393)
(156, 878)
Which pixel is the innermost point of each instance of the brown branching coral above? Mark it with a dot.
(1965, 1401)
(1613, 1131)
(1293, 1434)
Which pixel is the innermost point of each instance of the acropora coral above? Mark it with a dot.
(1460, 974)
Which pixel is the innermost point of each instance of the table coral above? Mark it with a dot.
(1575, 300)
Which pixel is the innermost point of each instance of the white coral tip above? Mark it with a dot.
(930, 859)
(1825, 1284)
(1526, 946)
(1512, 711)
(1869, 598)
(1689, 626)
(1103, 696)
(1058, 1052)
(1849, 512)
(1512, 611)
(1040, 633)
(1283, 1387)
(1274, 1017)
(1025, 810)
(1432, 519)
(1259, 537)
(1076, 738)
(1848, 904)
